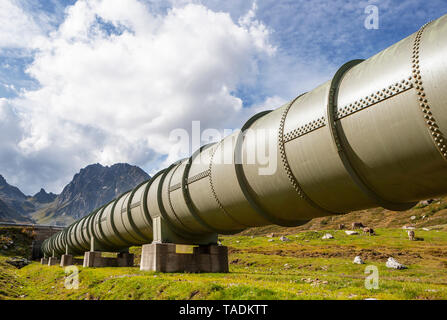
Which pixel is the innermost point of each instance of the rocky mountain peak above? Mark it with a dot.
(43, 197)
(96, 185)
(10, 192)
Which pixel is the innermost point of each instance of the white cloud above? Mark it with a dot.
(17, 29)
(115, 79)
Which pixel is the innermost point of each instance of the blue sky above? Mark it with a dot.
(58, 67)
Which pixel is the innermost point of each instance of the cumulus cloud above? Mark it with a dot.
(17, 29)
(115, 79)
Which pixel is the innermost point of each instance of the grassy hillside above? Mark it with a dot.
(13, 242)
(306, 267)
(433, 215)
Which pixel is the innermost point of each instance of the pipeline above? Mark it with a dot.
(372, 136)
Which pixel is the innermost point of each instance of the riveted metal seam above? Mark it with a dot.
(293, 180)
(124, 211)
(129, 211)
(100, 220)
(112, 222)
(213, 191)
(337, 136)
(429, 119)
(74, 243)
(242, 179)
(164, 215)
(374, 98)
(305, 129)
(170, 202)
(145, 195)
(92, 231)
(81, 231)
(187, 196)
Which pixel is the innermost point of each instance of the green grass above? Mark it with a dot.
(304, 268)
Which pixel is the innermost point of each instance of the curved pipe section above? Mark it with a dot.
(372, 136)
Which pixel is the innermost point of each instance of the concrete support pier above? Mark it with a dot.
(44, 261)
(53, 261)
(169, 257)
(94, 259)
(69, 260)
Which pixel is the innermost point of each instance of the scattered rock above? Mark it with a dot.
(370, 299)
(327, 236)
(413, 218)
(286, 266)
(426, 229)
(270, 240)
(393, 264)
(18, 262)
(314, 282)
(283, 238)
(408, 228)
(270, 235)
(358, 260)
(424, 216)
(351, 233)
(237, 241)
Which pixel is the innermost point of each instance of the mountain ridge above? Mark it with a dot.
(90, 188)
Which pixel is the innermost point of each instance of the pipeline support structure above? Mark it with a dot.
(372, 136)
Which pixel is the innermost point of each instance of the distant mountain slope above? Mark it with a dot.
(92, 187)
(10, 192)
(14, 204)
(43, 197)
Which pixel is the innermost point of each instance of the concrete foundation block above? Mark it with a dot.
(66, 260)
(125, 259)
(168, 257)
(44, 261)
(53, 261)
(94, 259)
(69, 260)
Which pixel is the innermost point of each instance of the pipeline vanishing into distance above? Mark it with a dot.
(372, 136)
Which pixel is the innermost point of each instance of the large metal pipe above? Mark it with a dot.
(372, 136)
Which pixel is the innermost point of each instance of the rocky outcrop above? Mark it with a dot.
(94, 186)
(43, 197)
(14, 204)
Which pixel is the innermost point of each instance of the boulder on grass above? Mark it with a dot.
(358, 260)
(393, 264)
